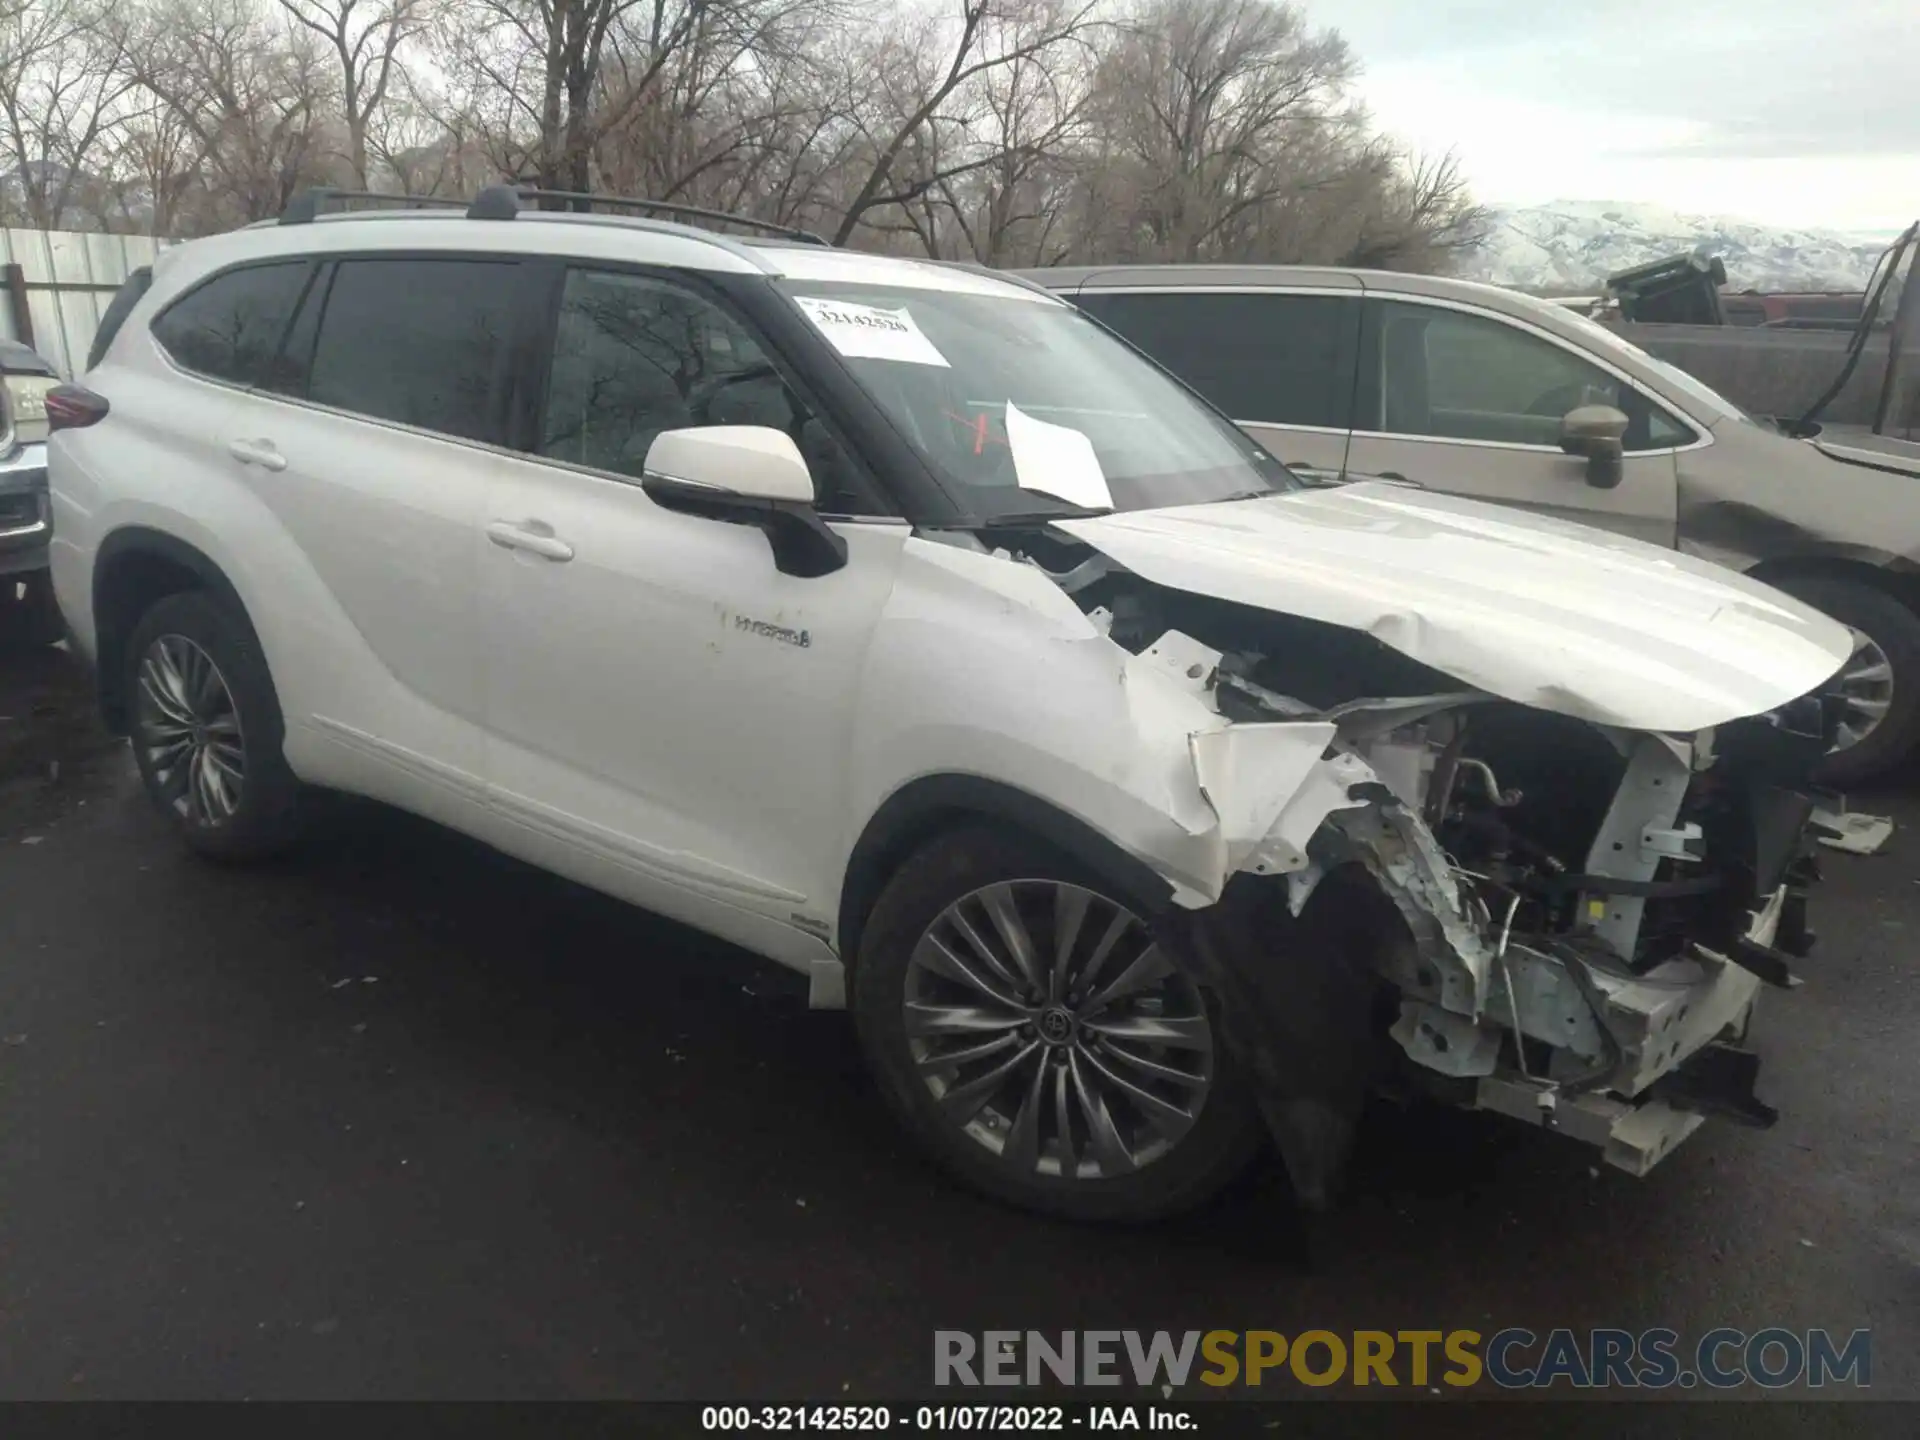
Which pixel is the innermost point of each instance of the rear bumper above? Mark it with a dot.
(26, 523)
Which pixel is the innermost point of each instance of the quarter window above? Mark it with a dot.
(230, 328)
(1271, 359)
(420, 342)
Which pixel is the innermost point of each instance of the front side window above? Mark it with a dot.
(1005, 395)
(635, 356)
(230, 327)
(1458, 376)
(1695, 389)
(1262, 358)
(417, 341)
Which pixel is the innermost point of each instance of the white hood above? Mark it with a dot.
(1536, 610)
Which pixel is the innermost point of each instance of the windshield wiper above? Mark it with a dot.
(1042, 517)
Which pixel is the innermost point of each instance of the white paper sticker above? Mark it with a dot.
(866, 332)
(1054, 460)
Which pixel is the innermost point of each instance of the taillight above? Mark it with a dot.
(74, 407)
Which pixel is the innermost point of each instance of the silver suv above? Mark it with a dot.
(1479, 391)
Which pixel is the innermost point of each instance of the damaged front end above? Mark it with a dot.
(1490, 903)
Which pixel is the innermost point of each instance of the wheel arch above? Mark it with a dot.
(1894, 578)
(135, 567)
(933, 804)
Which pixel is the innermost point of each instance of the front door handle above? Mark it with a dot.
(509, 536)
(257, 452)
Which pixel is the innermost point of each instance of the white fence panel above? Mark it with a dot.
(64, 282)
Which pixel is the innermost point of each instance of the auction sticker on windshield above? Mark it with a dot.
(867, 332)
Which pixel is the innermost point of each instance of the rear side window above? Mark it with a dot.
(1265, 359)
(417, 341)
(230, 327)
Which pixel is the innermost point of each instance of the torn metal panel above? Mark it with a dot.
(1251, 774)
(1450, 932)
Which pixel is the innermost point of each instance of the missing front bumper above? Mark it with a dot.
(1635, 1135)
(1631, 1136)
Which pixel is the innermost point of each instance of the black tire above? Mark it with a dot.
(1896, 630)
(1224, 1137)
(266, 819)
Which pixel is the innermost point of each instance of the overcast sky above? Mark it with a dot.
(1789, 112)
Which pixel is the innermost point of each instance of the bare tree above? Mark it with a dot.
(1223, 109)
(573, 68)
(151, 165)
(257, 103)
(365, 37)
(922, 70)
(1002, 131)
(61, 86)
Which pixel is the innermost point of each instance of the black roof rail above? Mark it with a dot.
(305, 207)
(503, 202)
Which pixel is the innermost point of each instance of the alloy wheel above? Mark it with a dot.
(1866, 687)
(188, 730)
(1053, 1031)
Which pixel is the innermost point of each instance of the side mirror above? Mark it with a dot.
(745, 475)
(1599, 433)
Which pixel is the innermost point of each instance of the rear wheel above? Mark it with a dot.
(1880, 682)
(1039, 1042)
(207, 731)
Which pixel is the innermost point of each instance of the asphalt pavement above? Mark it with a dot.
(400, 1118)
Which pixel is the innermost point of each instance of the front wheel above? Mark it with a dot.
(1880, 683)
(206, 730)
(1037, 1040)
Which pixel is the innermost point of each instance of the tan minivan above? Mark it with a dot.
(1475, 390)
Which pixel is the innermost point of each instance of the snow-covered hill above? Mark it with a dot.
(1572, 245)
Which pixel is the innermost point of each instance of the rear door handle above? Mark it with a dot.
(509, 536)
(257, 452)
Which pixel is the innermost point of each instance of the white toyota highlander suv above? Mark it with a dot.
(902, 625)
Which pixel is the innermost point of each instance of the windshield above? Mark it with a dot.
(1026, 407)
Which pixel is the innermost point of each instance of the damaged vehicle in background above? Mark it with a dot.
(901, 625)
(1470, 389)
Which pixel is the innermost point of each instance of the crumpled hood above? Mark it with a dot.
(1535, 610)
